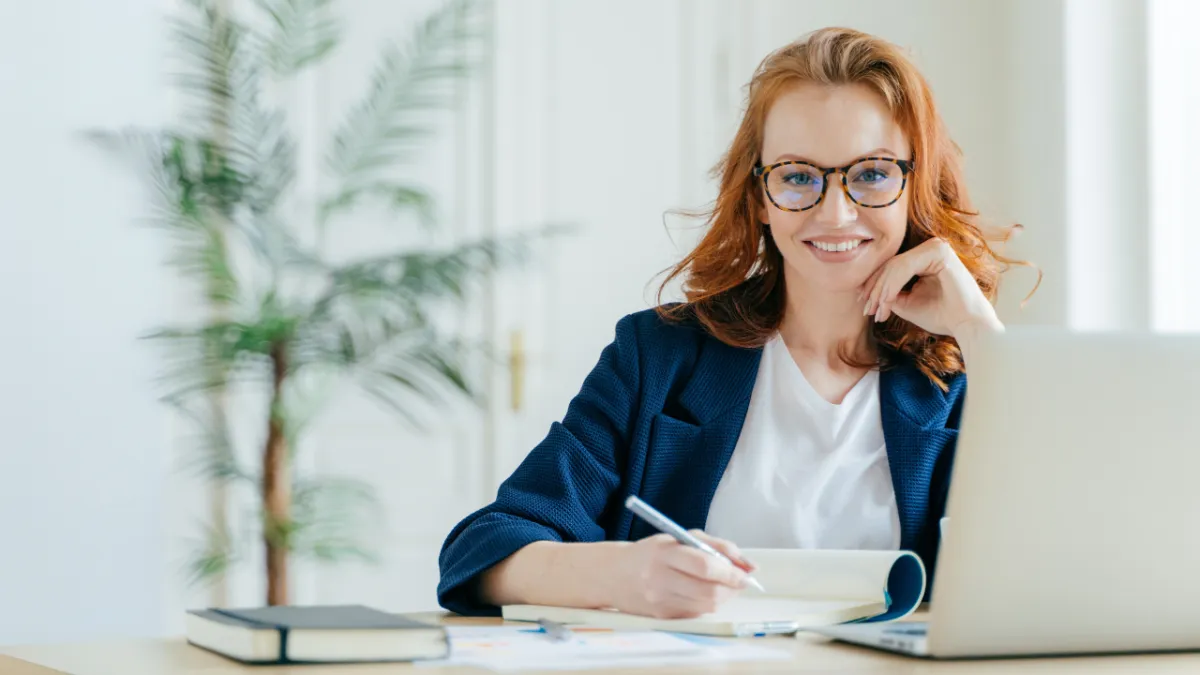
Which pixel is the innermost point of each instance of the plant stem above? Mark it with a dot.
(276, 485)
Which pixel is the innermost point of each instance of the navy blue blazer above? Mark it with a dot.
(659, 417)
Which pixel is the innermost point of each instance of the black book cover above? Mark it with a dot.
(311, 617)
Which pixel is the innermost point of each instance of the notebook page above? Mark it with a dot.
(823, 574)
(745, 609)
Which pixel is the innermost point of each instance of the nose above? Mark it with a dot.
(836, 209)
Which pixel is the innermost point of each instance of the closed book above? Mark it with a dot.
(314, 634)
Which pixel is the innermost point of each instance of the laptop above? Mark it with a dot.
(1073, 519)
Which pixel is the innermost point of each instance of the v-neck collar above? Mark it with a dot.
(779, 356)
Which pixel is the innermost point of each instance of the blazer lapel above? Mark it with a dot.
(689, 456)
(913, 412)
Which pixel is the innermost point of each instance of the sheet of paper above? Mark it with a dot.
(509, 648)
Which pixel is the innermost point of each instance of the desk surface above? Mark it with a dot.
(810, 654)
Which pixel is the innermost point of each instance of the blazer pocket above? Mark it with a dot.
(671, 439)
(671, 449)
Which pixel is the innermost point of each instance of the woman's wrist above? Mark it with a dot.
(579, 574)
(970, 332)
(554, 573)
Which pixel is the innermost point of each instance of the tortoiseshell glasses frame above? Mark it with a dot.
(905, 166)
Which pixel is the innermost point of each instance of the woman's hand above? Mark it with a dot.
(656, 576)
(659, 577)
(945, 300)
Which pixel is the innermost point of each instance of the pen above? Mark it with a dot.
(664, 524)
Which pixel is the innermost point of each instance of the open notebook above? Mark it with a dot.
(804, 589)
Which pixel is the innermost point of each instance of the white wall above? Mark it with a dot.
(1107, 176)
(1174, 98)
(82, 441)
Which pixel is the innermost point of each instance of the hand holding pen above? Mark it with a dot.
(693, 539)
(658, 577)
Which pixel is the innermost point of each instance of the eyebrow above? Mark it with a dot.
(871, 153)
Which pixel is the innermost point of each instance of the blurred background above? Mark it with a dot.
(1075, 118)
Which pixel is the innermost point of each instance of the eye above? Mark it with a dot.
(871, 176)
(800, 179)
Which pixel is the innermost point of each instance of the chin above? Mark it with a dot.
(840, 279)
(839, 285)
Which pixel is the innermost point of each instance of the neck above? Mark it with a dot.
(821, 323)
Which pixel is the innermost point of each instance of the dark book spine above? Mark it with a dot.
(279, 628)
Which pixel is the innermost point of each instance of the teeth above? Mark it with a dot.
(833, 248)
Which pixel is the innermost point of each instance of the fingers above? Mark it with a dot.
(889, 282)
(728, 548)
(705, 567)
(869, 285)
(876, 295)
(889, 291)
(693, 598)
(885, 284)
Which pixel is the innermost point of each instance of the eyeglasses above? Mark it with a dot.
(872, 182)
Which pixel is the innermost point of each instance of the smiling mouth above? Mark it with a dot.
(838, 246)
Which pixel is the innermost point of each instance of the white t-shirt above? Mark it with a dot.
(807, 473)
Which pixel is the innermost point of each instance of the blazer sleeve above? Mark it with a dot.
(560, 490)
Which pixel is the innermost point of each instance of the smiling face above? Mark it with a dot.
(835, 245)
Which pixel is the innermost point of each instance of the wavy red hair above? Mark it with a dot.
(733, 280)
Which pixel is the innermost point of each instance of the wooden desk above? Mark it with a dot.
(811, 654)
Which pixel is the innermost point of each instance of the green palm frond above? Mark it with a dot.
(189, 184)
(262, 153)
(393, 120)
(212, 454)
(211, 356)
(200, 361)
(330, 519)
(214, 356)
(220, 74)
(370, 303)
(206, 182)
(307, 391)
(141, 149)
(398, 197)
(300, 33)
(425, 276)
(217, 65)
(200, 254)
(211, 557)
(276, 246)
(412, 377)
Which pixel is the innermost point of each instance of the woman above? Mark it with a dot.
(806, 393)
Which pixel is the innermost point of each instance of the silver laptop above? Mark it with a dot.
(1073, 522)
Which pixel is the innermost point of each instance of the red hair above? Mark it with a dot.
(733, 280)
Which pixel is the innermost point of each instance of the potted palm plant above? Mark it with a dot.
(277, 312)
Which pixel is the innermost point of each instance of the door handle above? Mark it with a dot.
(516, 369)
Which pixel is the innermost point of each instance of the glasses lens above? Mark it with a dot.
(794, 186)
(875, 182)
